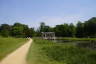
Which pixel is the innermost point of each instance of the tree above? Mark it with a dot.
(62, 30)
(58, 30)
(42, 27)
(90, 27)
(19, 30)
(32, 32)
(72, 30)
(86, 29)
(5, 30)
(80, 29)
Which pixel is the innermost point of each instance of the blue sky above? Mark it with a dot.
(52, 12)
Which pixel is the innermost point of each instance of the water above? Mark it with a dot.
(83, 44)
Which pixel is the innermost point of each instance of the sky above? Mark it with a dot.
(52, 12)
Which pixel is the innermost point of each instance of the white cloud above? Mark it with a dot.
(53, 20)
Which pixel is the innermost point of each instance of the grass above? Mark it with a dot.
(36, 54)
(48, 52)
(7, 45)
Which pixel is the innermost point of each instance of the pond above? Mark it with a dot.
(84, 44)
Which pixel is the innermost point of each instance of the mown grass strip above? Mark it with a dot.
(7, 45)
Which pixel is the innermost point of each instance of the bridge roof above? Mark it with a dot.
(47, 32)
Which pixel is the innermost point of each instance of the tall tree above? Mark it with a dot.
(72, 30)
(18, 30)
(62, 30)
(45, 28)
(30, 32)
(42, 27)
(5, 30)
(80, 29)
(90, 27)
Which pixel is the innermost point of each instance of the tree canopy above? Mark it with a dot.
(85, 29)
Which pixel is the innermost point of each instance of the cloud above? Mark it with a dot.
(53, 20)
(49, 20)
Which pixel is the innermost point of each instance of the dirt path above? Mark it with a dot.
(18, 56)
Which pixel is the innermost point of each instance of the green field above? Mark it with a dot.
(48, 52)
(7, 45)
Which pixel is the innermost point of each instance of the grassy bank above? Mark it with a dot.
(48, 52)
(7, 45)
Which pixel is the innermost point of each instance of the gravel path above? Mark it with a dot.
(18, 56)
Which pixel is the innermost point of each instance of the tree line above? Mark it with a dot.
(16, 30)
(82, 29)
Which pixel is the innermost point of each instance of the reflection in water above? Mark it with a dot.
(84, 44)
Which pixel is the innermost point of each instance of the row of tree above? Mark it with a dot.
(16, 30)
(86, 29)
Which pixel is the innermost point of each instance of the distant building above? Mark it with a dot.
(48, 35)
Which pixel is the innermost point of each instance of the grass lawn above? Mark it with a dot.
(7, 45)
(48, 52)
